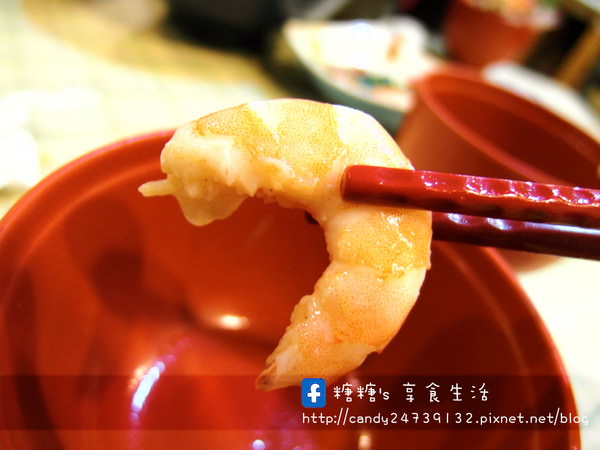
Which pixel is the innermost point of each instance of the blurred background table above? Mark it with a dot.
(76, 74)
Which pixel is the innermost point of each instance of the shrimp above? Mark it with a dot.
(295, 152)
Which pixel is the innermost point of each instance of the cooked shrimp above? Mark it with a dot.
(295, 152)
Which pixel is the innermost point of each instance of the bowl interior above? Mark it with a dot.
(125, 326)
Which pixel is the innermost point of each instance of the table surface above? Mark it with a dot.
(76, 75)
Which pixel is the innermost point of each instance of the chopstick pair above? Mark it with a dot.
(493, 212)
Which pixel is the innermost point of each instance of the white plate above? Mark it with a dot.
(366, 64)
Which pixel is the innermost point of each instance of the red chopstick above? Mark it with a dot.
(560, 240)
(518, 215)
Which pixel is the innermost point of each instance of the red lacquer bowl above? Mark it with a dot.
(125, 327)
(463, 124)
(475, 36)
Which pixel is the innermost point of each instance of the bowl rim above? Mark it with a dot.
(25, 213)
